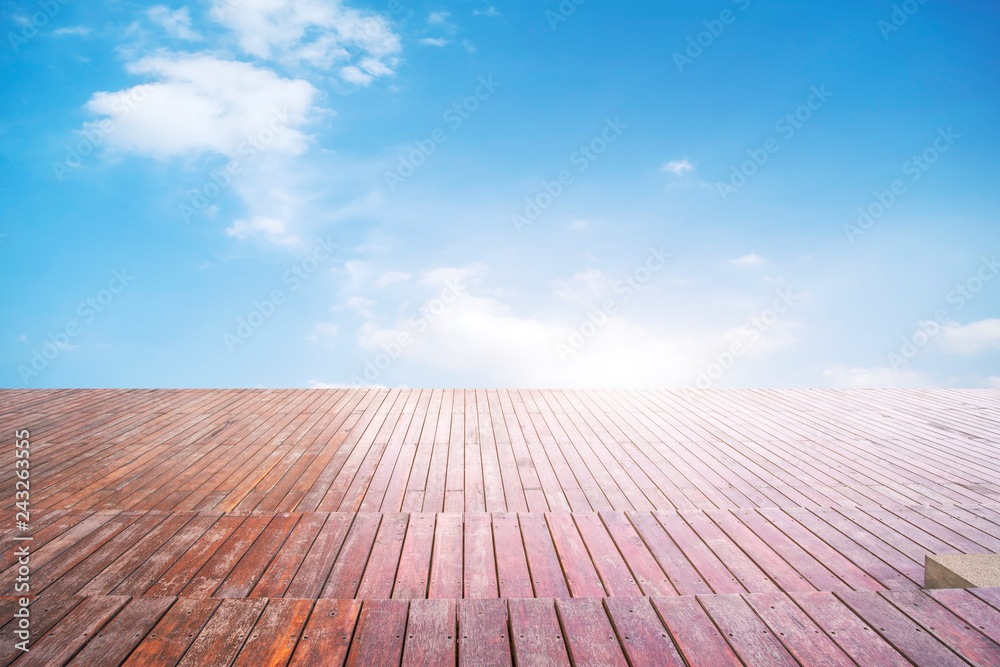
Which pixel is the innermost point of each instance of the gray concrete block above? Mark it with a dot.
(962, 571)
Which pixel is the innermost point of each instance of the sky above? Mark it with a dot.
(312, 193)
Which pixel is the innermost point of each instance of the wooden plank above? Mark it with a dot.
(59, 644)
(752, 577)
(951, 630)
(380, 574)
(696, 636)
(713, 571)
(224, 634)
(513, 576)
(218, 566)
(973, 610)
(113, 644)
(483, 636)
(431, 633)
(536, 633)
(257, 557)
(590, 637)
(345, 576)
(154, 568)
(446, 568)
(171, 637)
(682, 574)
(581, 575)
(543, 561)
(312, 574)
(896, 628)
(275, 635)
(279, 574)
(612, 568)
(413, 575)
(850, 632)
(480, 574)
(648, 574)
(44, 614)
(642, 634)
(378, 639)
(801, 636)
(753, 642)
(327, 635)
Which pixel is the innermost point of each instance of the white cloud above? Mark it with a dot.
(437, 18)
(318, 33)
(585, 287)
(392, 277)
(325, 332)
(434, 41)
(365, 307)
(489, 11)
(176, 23)
(752, 259)
(579, 224)
(205, 104)
(272, 230)
(76, 30)
(840, 376)
(479, 338)
(971, 339)
(678, 167)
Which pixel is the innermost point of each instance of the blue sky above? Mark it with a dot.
(312, 193)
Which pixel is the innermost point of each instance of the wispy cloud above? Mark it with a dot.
(971, 339)
(433, 41)
(678, 167)
(437, 18)
(176, 23)
(72, 31)
(489, 11)
(753, 259)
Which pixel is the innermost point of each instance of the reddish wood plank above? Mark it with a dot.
(696, 636)
(446, 566)
(483, 636)
(279, 574)
(682, 574)
(75, 629)
(312, 574)
(590, 636)
(749, 637)
(413, 574)
(327, 635)
(896, 628)
(257, 557)
(536, 633)
(224, 634)
(974, 611)
(581, 575)
(612, 568)
(171, 637)
(378, 639)
(713, 571)
(113, 644)
(225, 558)
(800, 635)
(648, 574)
(380, 574)
(480, 574)
(513, 576)
(345, 576)
(850, 632)
(154, 568)
(951, 630)
(275, 635)
(543, 561)
(431, 633)
(642, 634)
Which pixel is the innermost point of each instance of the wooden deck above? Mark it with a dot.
(756, 527)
